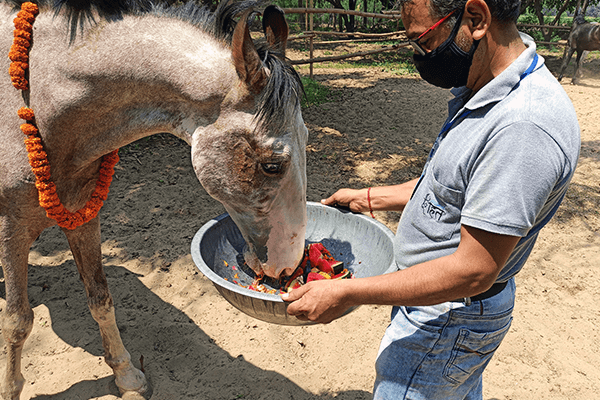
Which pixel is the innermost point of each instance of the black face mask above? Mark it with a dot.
(447, 66)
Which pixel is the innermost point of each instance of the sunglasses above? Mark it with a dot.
(415, 43)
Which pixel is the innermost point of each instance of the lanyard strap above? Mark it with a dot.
(448, 125)
(530, 69)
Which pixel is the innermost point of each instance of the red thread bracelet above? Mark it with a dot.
(369, 200)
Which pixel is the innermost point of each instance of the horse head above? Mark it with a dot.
(252, 158)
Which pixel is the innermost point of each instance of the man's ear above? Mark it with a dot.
(479, 18)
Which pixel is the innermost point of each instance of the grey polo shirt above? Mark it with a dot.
(503, 166)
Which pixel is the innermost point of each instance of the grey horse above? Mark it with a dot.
(104, 74)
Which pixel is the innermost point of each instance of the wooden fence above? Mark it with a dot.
(369, 37)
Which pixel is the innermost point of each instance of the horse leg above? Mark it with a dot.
(17, 320)
(568, 53)
(85, 245)
(579, 61)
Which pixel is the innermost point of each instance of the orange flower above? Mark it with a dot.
(37, 155)
(22, 42)
(48, 201)
(33, 144)
(26, 114)
(17, 48)
(30, 7)
(19, 33)
(38, 164)
(74, 220)
(22, 25)
(19, 83)
(29, 129)
(17, 55)
(42, 173)
(17, 69)
(38, 159)
(47, 188)
(88, 213)
(56, 210)
(26, 15)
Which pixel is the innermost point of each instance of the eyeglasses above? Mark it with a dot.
(415, 43)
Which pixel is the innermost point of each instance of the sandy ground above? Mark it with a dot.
(195, 345)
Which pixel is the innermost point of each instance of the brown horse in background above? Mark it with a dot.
(584, 36)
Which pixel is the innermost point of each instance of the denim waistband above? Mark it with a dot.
(494, 290)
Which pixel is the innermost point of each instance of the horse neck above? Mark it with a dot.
(125, 80)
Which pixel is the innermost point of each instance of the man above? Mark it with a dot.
(495, 176)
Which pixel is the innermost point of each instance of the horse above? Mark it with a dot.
(584, 36)
(104, 74)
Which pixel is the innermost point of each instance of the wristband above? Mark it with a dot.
(369, 201)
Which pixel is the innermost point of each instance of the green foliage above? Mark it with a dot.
(398, 63)
(326, 20)
(549, 7)
(315, 93)
(535, 33)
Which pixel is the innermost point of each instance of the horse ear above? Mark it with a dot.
(275, 27)
(245, 57)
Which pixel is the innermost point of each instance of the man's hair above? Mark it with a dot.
(504, 11)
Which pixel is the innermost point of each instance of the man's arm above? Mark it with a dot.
(383, 198)
(471, 270)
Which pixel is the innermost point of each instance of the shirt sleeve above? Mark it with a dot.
(511, 180)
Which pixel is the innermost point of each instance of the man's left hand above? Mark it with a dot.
(319, 301)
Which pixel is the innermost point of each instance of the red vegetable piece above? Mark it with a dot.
(314, 276)
(342, 275)
(321, 259)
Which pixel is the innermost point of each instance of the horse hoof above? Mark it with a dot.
(143, 394)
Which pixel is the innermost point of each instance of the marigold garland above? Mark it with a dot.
(38, 159)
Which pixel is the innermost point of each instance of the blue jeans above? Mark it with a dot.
(440, 352)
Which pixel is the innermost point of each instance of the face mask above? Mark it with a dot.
(447, 66)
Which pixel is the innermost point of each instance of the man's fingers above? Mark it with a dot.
(294, 294)
(330, 200)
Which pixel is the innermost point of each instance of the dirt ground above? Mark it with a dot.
(194, 345)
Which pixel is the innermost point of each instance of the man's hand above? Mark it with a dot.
(383, 198)
(355, 199)
(319, 301)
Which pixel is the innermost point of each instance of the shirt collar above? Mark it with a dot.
(499, 87)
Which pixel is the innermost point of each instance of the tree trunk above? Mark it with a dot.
(301, 17)
(585, 6)
(342, 17)
(560, 11)
(351, 24)
(538, 12)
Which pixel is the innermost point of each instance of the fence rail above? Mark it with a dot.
(345, 56)
(558, 27)
(339, 11)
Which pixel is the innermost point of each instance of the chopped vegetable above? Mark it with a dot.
(317, 264)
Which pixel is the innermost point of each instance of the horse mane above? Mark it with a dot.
(80, 12)
(284, 87)
(578, 20)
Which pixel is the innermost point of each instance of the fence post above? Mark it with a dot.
(312, 38)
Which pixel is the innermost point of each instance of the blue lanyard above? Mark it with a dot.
(530, 69)
(448, 125)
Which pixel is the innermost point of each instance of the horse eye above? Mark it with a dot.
(271, 168)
